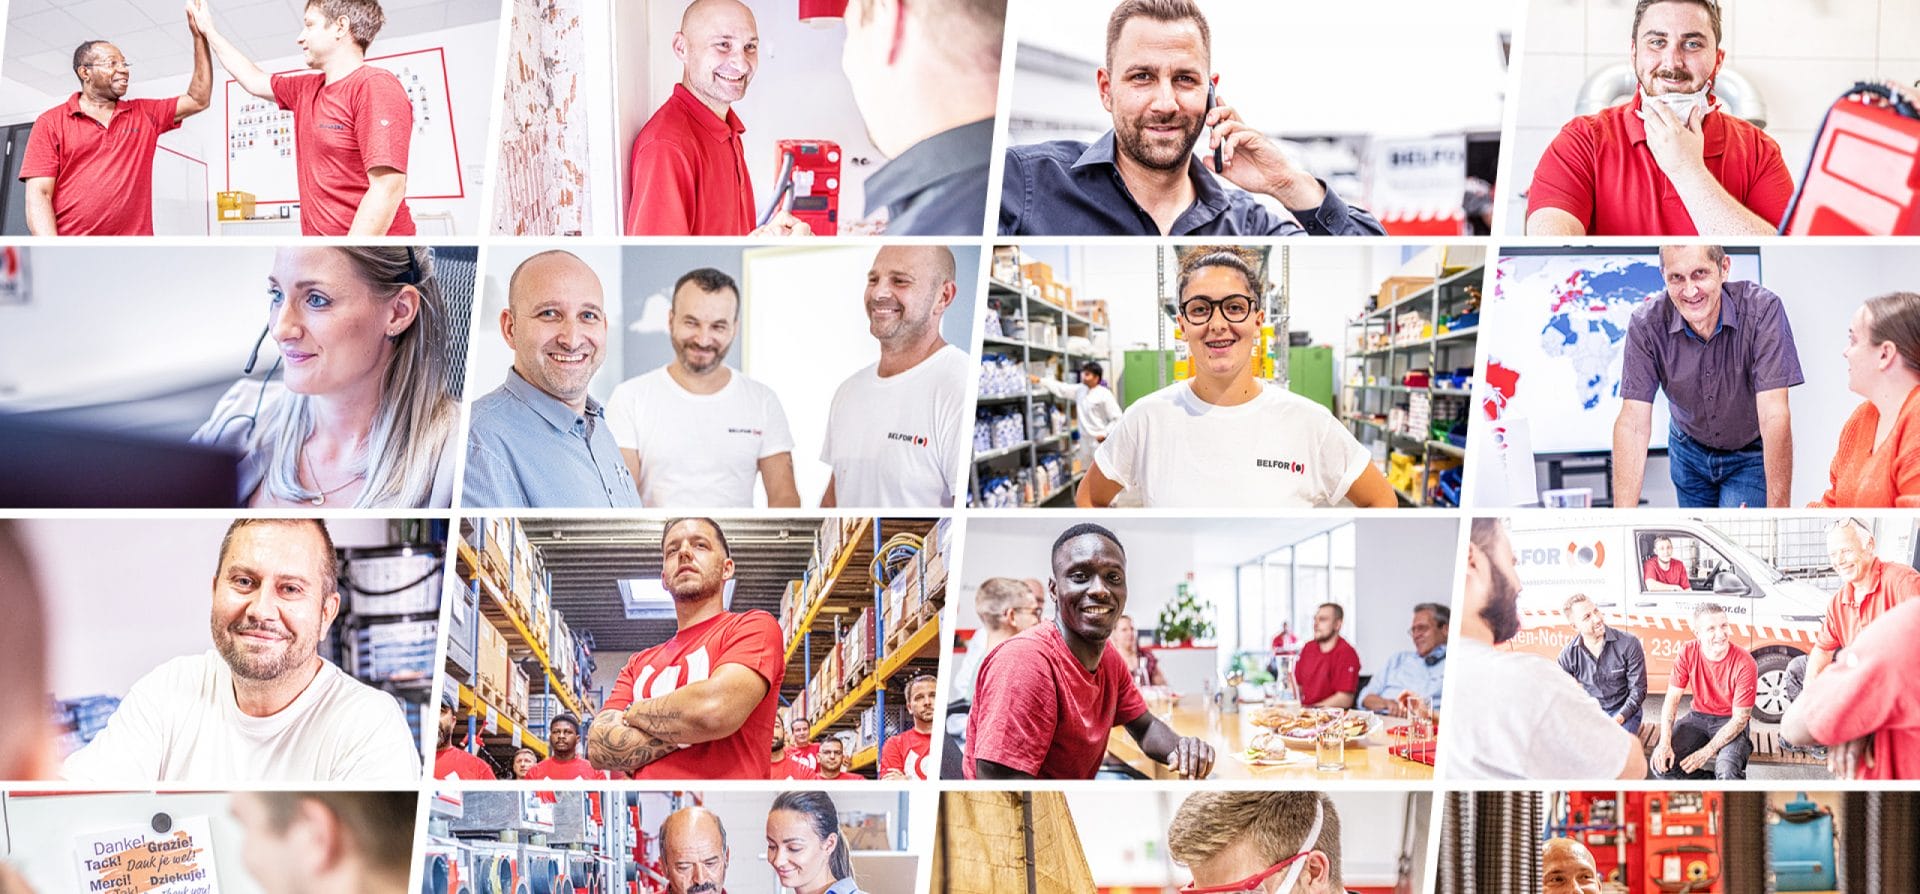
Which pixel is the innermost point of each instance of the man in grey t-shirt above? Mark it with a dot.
(1723, 352)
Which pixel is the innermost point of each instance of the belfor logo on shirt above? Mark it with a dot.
(1284, 465)
(746, 431)
(915, 440)
(332, 125)
(655, 682)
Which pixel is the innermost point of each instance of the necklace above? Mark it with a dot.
(320, 499)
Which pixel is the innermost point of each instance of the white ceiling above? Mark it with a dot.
(41, 34)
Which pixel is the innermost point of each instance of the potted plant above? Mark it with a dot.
(1185, 619)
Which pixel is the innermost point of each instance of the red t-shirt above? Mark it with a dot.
(1867, 691)
(578, 768)
(1675, 573)
(845, 776)
(102, 176)
(1888, 585)
(1321, 674)
(1037, 710)
(688, 173)
(454, 763)
(807, 755)
(907, 751)
(750, 639)
(1718, 687)
(1600, 170)
(788, 768)
(341, 131)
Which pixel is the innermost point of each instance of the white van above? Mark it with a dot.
(1774, 617)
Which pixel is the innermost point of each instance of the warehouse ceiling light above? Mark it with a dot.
(647, 599)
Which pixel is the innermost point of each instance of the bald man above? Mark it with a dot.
(688, 172)
(693, 849)
(1566, 867)
(894, 430)
(539, 440)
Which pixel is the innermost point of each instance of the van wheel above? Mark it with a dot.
(1770, 701)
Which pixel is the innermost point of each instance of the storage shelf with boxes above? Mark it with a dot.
(551, 610)
(1409, 372)
(1037, 335)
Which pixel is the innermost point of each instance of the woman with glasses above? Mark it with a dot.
(1225, 437)
(361, 417)
(1877, 463)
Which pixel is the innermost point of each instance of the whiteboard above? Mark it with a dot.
(260, 152)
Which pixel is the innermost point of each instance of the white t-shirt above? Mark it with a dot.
(896, 441)
(1277, 450)
(181, 724)
(1519, 716)
(697, 449)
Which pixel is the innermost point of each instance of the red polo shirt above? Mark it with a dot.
(102, 176)
(1867, 691)
(1888, 584)
(341, 131)
(1606, 155)
(689, 173)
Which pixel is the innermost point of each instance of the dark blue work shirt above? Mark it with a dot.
(938, 187)
(1617, 678)
(1069, 188)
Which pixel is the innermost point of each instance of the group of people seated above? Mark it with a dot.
(1326, 668)
(1584, 723)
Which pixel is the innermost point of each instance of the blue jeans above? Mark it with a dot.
(1709, 478)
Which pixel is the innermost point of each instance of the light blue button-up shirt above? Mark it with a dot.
(527, 449)
(1407, 671)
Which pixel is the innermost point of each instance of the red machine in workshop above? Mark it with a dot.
(1651, 842)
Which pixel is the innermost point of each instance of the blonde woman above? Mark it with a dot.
(361, 417)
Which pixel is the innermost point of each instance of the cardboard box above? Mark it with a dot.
(1036, 273)
(1395, 289)
(517, 693)
(491, 663)
(235, 205)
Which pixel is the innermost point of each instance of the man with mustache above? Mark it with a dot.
(894, 429)
(263, 705)
(1142, 178)
(1725, 356)
(695, 432)
(1529, 720)
(1049, 698)
(540, 440)
(89, 161)
(705, 703)
(693, 851)
(1671, 162)
(688, 172)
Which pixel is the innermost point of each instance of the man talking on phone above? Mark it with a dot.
(1142, 178)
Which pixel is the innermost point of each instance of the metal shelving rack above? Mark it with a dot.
(1028, 452)
(1381, 370)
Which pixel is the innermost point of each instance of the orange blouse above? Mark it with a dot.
(1886, 477)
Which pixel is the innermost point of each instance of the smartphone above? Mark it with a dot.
(1219, 162)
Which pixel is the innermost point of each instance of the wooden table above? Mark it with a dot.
(1230, 733)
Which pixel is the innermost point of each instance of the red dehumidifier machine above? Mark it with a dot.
(1864, 176)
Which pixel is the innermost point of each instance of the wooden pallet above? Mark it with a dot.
(490, 694)
(859, 670)
(909, 625)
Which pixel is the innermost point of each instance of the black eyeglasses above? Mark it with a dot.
(1198, 310)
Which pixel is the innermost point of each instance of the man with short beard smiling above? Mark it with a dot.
(1048, 699)
(1142, 178)
(894, 428)
(694, 432)
(264, 706)
(1670, 162)
(1525, 718)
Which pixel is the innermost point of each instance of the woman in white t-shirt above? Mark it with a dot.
(1093, 402)
(1224, 438)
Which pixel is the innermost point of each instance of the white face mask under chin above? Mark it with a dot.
(1681, 104)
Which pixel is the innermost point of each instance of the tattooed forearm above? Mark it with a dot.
(613, 745)
(659, 717)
